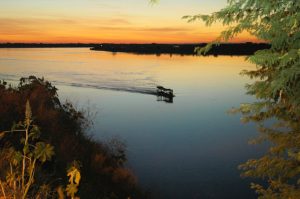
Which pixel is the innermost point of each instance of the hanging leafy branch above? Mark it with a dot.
(276, 87)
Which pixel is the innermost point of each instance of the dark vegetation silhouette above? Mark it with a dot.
(47, 45)
(184, 49)
(158, 49)
(103, 174)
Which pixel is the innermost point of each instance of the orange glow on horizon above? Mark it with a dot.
(113, 22)
(120, 36)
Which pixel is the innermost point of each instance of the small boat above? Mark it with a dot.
(165, 92)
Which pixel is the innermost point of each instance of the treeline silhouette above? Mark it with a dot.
(184, 49)
(180, 49)
(48, 45)
(103, 172)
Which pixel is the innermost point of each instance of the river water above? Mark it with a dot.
(186, 149)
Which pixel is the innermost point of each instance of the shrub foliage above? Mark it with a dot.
(63, 128)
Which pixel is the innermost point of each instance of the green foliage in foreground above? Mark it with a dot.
(23, 164)
(51, 136)
(276, 87)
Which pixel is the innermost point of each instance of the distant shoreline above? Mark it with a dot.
(48, 45)
(183, 49)
(157, 49)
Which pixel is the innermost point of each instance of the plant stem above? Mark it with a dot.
(14, 185)
(3, 191)
(31, 175)
(24, 159)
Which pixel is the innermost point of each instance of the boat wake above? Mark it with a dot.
(131, 89)
(148, 88)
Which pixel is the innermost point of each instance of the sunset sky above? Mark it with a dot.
(113, 21)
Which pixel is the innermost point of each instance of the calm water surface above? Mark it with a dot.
(188, 149)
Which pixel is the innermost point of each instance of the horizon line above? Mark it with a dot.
(40, 43)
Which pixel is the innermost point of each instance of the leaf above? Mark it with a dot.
(43, 151)
(72, 189)
(17, 158)
(34, 132)
(74, 175)
(16, 126)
